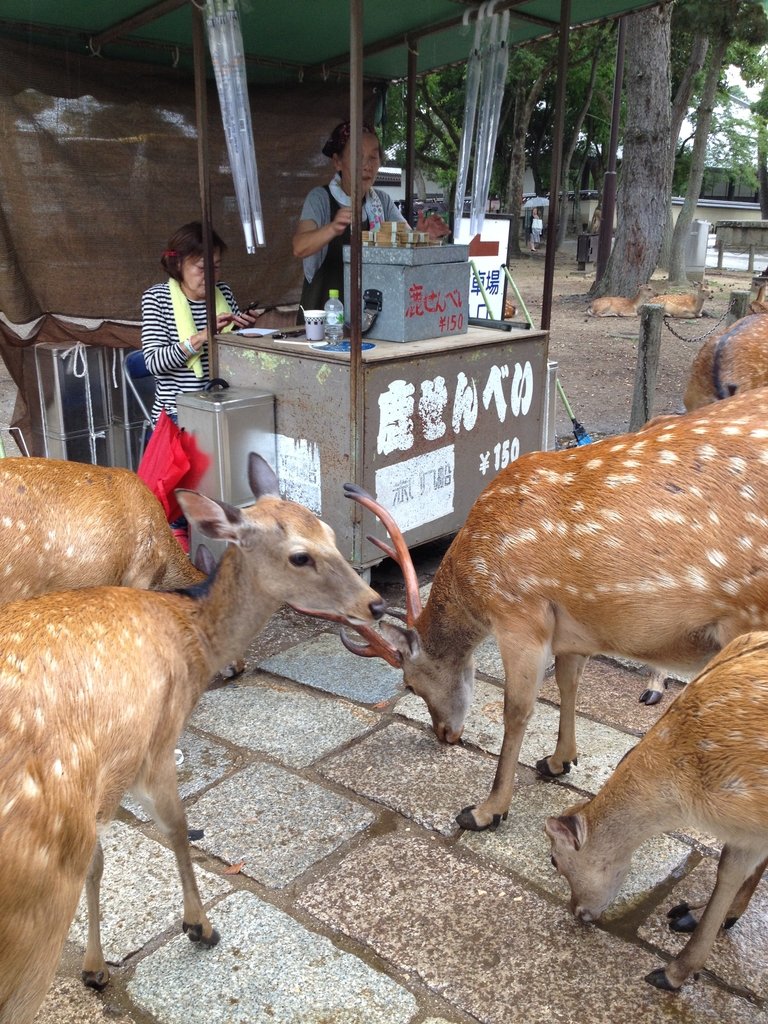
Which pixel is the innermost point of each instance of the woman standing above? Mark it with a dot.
(537, 226)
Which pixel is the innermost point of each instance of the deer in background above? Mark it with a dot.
(686, 306)
(96, 686)
(731, 362)
(709, 749)
(651, 546)
(616, 305)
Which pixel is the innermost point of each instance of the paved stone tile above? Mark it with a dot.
(326, 665)
(408, 770)
(521, 845)
(268, 970)
(205, 762)
(70, 1002)
(493, 948)
(293, 726)
(600, 747)
(140, 893)
(740, 954)
(275, 822)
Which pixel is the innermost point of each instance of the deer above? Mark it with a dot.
(728, 363)
(617, 305)
(709, 749)
(651, 546)
(96, 685)
(685, 306)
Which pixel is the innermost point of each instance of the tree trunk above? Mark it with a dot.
(677, 274)
(762, 178)
(680, 106)
(644, 184)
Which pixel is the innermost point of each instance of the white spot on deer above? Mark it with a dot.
(696, 578)
(732, 429)
(666, 516)
(615, 480)
(737, 464)
(706, 744)
(594, 464)
(747, 492)
(746, 543)
(717, 558)
(29, 787)
(714, 518)
(707, 452)
(521, 537)
(58, 769)
(588, 528)
(7, 522)
(731, 586)
(667, 457)
(69, 551)
(631, 463)
(759, 432)
(612, 515)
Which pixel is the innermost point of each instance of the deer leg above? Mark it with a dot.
(524, 673)
(735, 869)
(682, 916)
(160, 797)
(568, 671)
(95, 973)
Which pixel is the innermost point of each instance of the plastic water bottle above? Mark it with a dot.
(334, 316)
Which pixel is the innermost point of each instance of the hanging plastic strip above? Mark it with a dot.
(494, 62)
(225, 42)
(470, 108)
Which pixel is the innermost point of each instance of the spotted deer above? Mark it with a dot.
(96, 686)
(685, 305)
(731, 362)
(617, 305)
(709, 749)
(652, 546)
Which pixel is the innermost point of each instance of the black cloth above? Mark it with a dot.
(330, 274)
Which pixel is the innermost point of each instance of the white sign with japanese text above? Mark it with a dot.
(419, 490)
(489, 261)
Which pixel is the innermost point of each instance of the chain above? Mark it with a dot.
(699, 337)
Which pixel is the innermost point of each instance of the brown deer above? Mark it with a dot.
(65, 525)
(652, 546)
(709, 749)
(616, 305)
(686, 306)
(731, 362)
(95, 687)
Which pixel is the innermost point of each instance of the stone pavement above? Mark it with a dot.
(344, 892)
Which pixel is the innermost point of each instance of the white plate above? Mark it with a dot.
(256, 332)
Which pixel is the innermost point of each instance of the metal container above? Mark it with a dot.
(78, 446)
(424, 290)
(227, 426)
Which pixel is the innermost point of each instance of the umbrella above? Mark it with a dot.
(535, 201)
(171, 459)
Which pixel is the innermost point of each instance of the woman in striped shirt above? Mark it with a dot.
(174, 332)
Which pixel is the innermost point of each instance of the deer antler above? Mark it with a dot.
(377, 646)
(399, 553)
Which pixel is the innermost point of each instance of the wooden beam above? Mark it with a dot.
(145, 17)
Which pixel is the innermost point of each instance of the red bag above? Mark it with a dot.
(170, 460)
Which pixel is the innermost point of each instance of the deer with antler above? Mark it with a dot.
(95, 688)
(709, 748)
(652, 546)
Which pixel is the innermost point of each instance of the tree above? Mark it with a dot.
(726, 21)
(644, 184)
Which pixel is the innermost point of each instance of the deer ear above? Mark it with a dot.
(406, 641)
(262, 479)
(569, 829)
(213, 518)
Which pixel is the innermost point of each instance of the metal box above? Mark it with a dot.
(126, 407)
(424, 290)
(227, 426)
(71, 384)
(77, 446)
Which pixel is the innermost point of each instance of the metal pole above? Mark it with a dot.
(356, 383)
(609, 181)
(201, 115)
(553, 216)
(410, 130)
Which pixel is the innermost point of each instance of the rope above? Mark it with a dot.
(79, 367)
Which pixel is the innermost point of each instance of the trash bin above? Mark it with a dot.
(696, 249)
(586, 250)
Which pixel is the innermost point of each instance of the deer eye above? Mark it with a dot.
(301, 558)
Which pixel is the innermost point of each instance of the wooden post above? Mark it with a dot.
(719, 255)
(738, 306)
(648, 347)
(751, 262)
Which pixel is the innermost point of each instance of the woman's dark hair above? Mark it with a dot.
(186, 241)
(339, 138)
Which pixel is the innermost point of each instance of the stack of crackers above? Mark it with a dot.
(394, 234)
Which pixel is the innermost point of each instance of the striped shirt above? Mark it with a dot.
(165, 359)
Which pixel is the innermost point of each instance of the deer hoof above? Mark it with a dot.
(659, 979)
(96, 980)
(542, 767)
(681, 919)
(650, 697)
(233, 670)
(195, 933)
(465, 819)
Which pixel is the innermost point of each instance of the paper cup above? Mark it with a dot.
(314, 324)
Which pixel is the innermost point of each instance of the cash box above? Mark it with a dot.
(424, 290)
